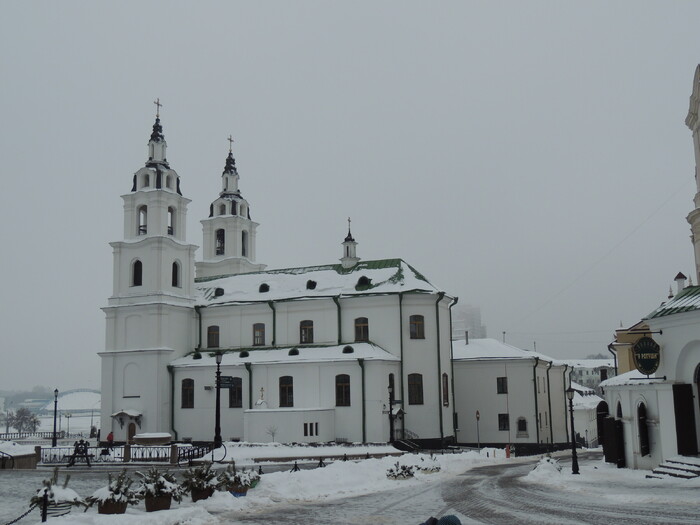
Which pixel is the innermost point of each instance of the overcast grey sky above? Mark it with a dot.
(528, 157)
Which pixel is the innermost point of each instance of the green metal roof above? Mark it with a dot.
(686, 301)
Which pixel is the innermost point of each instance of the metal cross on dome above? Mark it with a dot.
(230, 143)
(158, 106)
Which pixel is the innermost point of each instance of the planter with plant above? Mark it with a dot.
(237, 482)
(158, 489)
(200, 481)
(59, 498)
(114, 498)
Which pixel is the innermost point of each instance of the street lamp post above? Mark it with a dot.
(391, 415)
(217, 424)
(68, 416)
(574, 459)
(55, 410)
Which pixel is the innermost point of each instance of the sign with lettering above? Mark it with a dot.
(226, 382)
(647, 354)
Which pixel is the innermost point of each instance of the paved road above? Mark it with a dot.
(492, 494)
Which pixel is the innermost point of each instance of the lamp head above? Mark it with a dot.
(570, 393)
(219, 357)
(55, 392)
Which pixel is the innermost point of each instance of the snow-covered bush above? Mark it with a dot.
(431, 465)
(57, 493)
(155, 483)
(201, 477)
(231, 477)
(118, 490)
(401, 471)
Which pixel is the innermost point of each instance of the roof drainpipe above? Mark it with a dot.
(336, 300)
(549, 405)
(361, 362)
(568, 439)
(271, 304)
(401, 347)
(614, 354)
(249, 369)
(452, 372)
(537, 410)
(439, 368)
(199, 317)
(172, 400)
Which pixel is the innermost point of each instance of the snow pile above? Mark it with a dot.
(244, 454)
(15, 449)
(547, 470)
(338, 480)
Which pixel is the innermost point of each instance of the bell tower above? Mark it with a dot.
(693, 123)
(350, 257)
(229, 233)
(150, 315)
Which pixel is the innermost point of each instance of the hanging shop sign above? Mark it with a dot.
(647, 354)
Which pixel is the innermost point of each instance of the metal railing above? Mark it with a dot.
(150, 453)
(187, 454)
(8, 436)
(6, 459)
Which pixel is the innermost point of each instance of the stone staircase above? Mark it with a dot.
(684, 467)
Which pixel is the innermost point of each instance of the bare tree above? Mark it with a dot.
(271, 431)
(24, 420)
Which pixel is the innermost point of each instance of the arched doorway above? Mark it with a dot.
(130, 433)
(644, 449)
(601, 413)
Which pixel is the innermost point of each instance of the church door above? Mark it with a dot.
(602, 413)
(686, 436)
(131, 433)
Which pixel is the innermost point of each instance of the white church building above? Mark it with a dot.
(308, 354)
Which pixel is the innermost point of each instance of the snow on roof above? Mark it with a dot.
(307, 354)
(584, 397)
(633, 377)
(82, 399)
(383, 276)
(15, 449)
(494, 349)
(589, 363)
(686, 301)
(128, 412)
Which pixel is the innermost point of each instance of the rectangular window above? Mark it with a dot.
(361, 329)
(503, 422)
(316, 425)
(286, 391)
(342, 390)
(502, 385)
(213, 337)
(415, 389)
(306, 332)
(259, 334)
(540, 418)
(187, 393)
(417, 327)
(306, 429)
(235, 393)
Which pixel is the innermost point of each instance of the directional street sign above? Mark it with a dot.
(226, 382)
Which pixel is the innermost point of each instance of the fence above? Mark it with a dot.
(172, 454)
(9, 436)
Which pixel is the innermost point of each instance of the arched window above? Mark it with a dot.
(361, 329)
(264, 287)
(286, 391)
(644, 448)
(445, 390)
(521, 427)
(137, 273)
(417, 327)
(342, 390)
(176, 274)
(619, 410)
(146, 181)
(259, 334)
(168, 181)
(213, 336)
(143, 220)
(310, 285)
(415, 389)
(187, 393)
(222, 209)
(244, 243)
(220, 242)
(306, 332)
(171, 221)
(233, 208)
(235, 393)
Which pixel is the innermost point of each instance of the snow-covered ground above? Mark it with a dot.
(338, 480)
